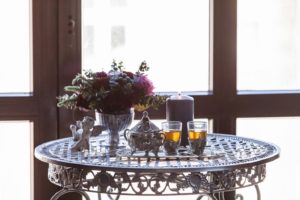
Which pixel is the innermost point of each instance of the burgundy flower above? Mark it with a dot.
(101, 83)
(116, 102)
(129, 74)
(82, 103)
(101, 74)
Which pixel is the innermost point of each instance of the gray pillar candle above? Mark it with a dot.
(180, 108)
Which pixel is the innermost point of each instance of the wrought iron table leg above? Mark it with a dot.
(239, 196)
(108, 195)
(210, 196)
(257, 192)
(111, 198)
(99, 194)
(219, 195)
(222, 196)
(64, 191)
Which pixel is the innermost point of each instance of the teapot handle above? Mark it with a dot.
(162, 135)
(125, 134)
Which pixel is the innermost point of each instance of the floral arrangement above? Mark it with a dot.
(114, 92)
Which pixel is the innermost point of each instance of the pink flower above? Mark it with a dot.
(145, 85)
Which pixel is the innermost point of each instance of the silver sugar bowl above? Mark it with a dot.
(144, 136)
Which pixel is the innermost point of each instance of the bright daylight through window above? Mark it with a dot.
(278, 130)
(15, 47)
(16, 161)
(171, 35)
(268, 45)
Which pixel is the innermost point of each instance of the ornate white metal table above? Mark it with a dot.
(228, 163)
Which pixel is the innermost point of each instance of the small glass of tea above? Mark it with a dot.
(172, 132)
(197, 134)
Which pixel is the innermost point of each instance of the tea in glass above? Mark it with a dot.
(197, 134)
(172, 133)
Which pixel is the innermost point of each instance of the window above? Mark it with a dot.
(16, 150)
(283, 131)
(268, 45)
(268, 63)
(227, 54)
(171, 35)
(16, 81)
(15, 47)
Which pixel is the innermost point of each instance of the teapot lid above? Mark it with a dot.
(145, 125)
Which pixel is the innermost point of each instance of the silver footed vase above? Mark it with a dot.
(114, 125)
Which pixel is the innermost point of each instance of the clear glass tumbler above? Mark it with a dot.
(172, 131)
(197, 134)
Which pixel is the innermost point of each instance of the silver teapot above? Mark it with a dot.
(144, 136)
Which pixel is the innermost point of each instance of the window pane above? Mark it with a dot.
(16, 155)
(283, 176)
(15, 47)
(268, 45)
(171, 35)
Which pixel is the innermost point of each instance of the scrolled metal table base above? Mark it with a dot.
(206, 184)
